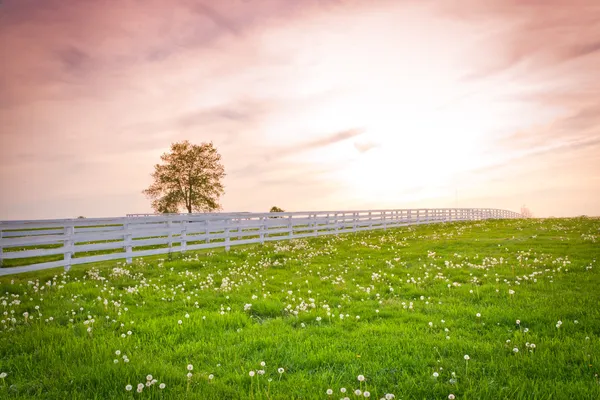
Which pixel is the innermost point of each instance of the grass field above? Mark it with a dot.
(478, 310)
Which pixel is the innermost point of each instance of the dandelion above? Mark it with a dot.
(467, 358)
(435, 374)
(211, 377)
(357, 392)
(343, 390)
(511, 292)
(140, 387)
(187, 315)
(451, 396)
(389, 396)
(518, 322)
(180, 322)
(128, 388)
(162, 386)
(478, 315)
(118, 352)
(361, 378)
(515, 350)
(251, 373)
(280, 370)
(129, 333)
(262, 364)
(366, 394)
(189, 375)
(116, 361)
(190, 367)
(430, 324)
(261, 371)
(329, 392)
(149, 377)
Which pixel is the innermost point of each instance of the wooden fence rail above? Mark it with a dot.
(138, 234)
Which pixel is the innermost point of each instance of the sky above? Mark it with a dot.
(313, 104)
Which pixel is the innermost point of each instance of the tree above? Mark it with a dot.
(526, 212)
(189, 177)
(276, 209)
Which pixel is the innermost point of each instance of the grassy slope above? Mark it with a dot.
(396, 349)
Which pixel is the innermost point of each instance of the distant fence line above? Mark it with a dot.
(138, 235)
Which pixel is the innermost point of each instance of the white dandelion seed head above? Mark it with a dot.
(451, 396)
(389, 396)
(262, 363)
(148, 377)
(467, 357)
(251, 373)
(162, 386)
(329, 392)
(211, 377)
(189, 375)
(190, 367)
(343, 390)
(367, 394)
(360, 378)
(280, 370)
(128, 388)
(435, 374)
(357, 392)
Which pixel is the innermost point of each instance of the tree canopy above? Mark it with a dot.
(276, 209)
(189, 177)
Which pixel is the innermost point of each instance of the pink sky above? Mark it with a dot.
(313, 104)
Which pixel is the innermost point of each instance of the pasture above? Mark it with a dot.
(468, 310)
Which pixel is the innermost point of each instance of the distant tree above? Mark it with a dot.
(276, 209)
(81, 217)
(526, 212)
(190, 177)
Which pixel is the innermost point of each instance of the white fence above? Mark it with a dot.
(78, 241)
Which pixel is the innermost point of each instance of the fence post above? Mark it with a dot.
(227, 246)
(183, 236)
(383, 214)
(127, 240)
(262, 230)
(370, 221)
(67, 247)
(290, 227)
(1, 258)
(169, 227)
(206, 231)
(354, 221)
(337, 227)
(315, 230)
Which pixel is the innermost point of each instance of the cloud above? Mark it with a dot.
(364, 147)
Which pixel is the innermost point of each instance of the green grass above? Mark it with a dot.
(408, 286)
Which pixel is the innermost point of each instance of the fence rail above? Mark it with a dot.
(72, 240)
